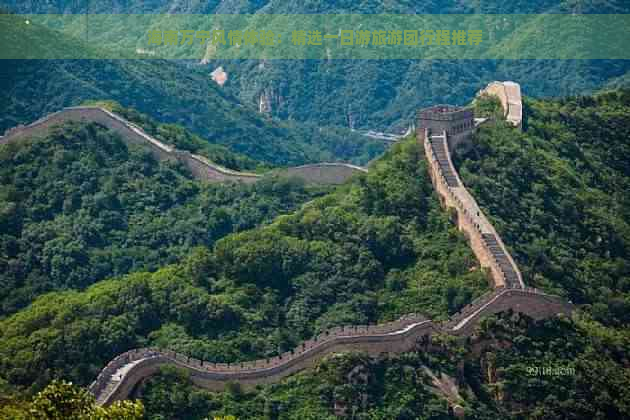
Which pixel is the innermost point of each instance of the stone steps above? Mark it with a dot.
(441, 155)
(506, 266)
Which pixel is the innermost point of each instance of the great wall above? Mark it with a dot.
(509, 94)
(121, 375)
(199, 166)
(441, 130)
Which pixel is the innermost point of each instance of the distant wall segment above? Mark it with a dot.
(200, 167)
(323, 173)
(509, 93)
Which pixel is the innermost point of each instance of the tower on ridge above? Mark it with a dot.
(458, 123)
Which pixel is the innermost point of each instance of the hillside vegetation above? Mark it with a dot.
(383, 94)
(80, 206)
(376, 249)
(165, 90)
(558, 195)
(370, 251)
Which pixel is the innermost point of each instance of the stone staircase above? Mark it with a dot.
(437, 143)
(510, 276)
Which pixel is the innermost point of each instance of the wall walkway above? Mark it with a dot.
(118, 379)
(121, 375)
(483, 238)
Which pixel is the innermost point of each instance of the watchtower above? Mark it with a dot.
(458, 123)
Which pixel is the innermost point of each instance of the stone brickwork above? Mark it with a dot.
(457, 122)
(483, 238)
(123, 373)
(200, 167)
(509, 93)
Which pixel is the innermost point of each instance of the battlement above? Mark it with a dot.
(445, 113)
(118, 379)
(457, 122)
(509, 94)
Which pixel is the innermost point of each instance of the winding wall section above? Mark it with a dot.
(124, 372)
(118, 379)
(199, 166)
(483, 238)
(509, 93)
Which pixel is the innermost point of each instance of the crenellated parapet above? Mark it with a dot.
(509, 93)
(123, 373)
(394, 337)
(484, 241)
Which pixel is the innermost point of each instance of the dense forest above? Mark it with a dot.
(366, 253)
(167, 91)
(80, 206)
(374, 249)
(103, 248)
(558, 194)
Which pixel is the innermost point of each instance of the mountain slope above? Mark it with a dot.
(168, 92)
(380, 94)
(368, 252)
(79, 206)
(558, 194)
(361, 254)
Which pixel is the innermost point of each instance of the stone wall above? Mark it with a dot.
(394, 337)
(200, 167)
(121, 375)
(403, 335)
(509, 93)
(457, 122)
(323, 173)
(531, 302)
(470, 219)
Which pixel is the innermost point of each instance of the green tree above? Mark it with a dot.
(63, 401)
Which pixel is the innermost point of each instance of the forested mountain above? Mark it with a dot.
(80, 206)
(363, 253)
(559, 195)
(504, 380)
(381, 94)
(165, 90)
(104, 249)
(372, 250)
